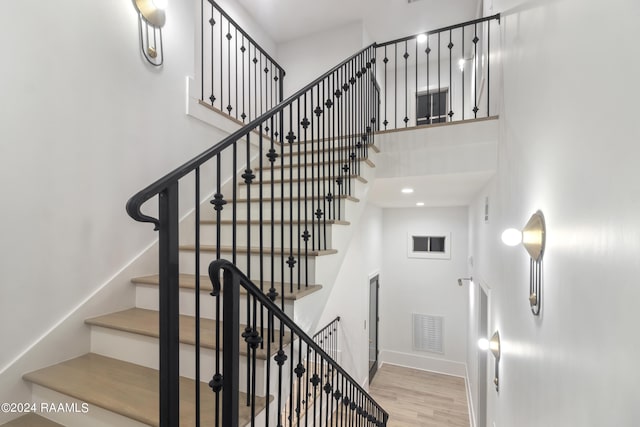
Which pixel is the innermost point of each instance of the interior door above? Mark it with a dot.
(374, 286)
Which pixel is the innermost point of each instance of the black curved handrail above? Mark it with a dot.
(233, 279)
(135, 203)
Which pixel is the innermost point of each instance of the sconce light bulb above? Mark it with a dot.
(160, 4)
(461, 64)
(422, 38)
(483, 344)
(512, 237)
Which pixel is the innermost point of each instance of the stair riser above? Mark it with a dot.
(147, 298)
(330, 156)
(290, 171)
(323, 187)
(340, 206)
(208, 235)
(187, 265)
(143, 350)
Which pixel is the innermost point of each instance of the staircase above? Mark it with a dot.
(246, 229)
(195, 346)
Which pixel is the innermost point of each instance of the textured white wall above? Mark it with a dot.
(424, 286)
(85, 123)
(349, 297)
(575, 364)
(307, 58)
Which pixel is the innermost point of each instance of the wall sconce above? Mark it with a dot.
(532, 238)
(494, 345)
(151, 17)
(470, 279)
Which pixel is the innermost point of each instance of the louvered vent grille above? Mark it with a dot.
(427, 333)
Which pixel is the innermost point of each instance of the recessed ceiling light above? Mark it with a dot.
(407, 190)
(420, 204)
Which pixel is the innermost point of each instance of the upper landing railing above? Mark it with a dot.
(237, 76)
(440, 76)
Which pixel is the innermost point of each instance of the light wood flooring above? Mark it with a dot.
(419, 398)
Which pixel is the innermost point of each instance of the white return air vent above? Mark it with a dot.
(427, 333)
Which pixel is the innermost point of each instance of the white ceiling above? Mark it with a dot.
(434, 190)
(286, 20)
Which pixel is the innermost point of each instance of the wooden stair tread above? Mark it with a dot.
(267, 222)
(288, 199)
(31, 420)
(188, 281)
(145, 322)
(286, 180)
(127, 389)
(256, 250)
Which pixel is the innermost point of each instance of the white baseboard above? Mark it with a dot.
(425, 363)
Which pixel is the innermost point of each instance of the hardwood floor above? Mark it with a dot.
(419, 398)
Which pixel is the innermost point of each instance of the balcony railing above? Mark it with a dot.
(237, 76)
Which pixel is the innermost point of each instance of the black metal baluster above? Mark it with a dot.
(333, 143)
(229, 37)
(439, 55)
(325, 118)
(395, 89)
(386, 94)
(282, 203)
(450, 46)
(462, 62)
(218, 202)
(255, 340)
(338, 179)
(429, 97)
(244, 95)
(270, 338)
(307, 395)
(248, 176)
(313, 191)
(261, 221)
(257, 93)
(197, 294)
(415, 95)
(291, 262)
(262, 90)
(299, 195)
(291, 388)
(305, 234)
(406, 82)
(212, 23)
(272, 156)
(221, 67)
(475, 64)
(236, 78)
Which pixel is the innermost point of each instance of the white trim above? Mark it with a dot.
(424, 363)
(470, 405)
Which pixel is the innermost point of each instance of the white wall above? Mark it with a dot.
(307, 58)
(86, 122)
(575, 364)
(423, 286)
(349, 297)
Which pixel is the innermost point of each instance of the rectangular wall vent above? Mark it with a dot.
(427, 333)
